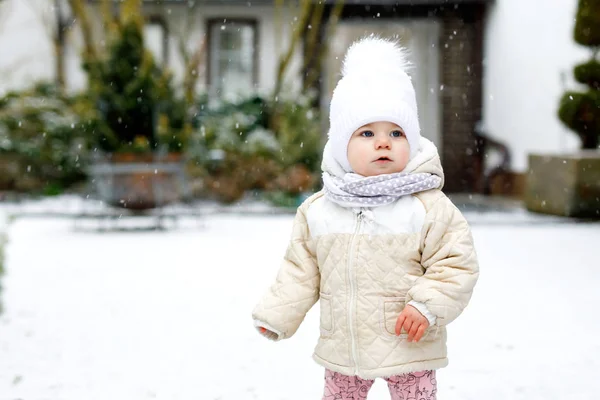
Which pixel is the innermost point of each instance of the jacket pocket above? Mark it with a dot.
(390, 309)
(326, 315)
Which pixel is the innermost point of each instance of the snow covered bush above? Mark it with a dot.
(262, 145)
(44, 138)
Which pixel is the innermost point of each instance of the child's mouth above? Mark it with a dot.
(382, 160)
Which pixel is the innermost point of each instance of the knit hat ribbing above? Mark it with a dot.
(374, 87)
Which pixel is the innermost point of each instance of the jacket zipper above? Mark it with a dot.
(352, 301)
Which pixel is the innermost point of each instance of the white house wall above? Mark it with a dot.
(529, 45)
(26, 53)
(266, 30)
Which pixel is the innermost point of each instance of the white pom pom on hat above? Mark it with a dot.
(374, 87)
(389, 55)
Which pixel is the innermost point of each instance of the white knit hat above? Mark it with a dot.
(374, 87)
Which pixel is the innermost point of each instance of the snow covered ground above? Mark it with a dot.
(3, 239)
(166, 315)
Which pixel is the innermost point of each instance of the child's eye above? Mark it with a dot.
(367, 134)
(396, 134)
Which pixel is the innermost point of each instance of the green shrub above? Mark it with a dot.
(299, 133)
(587, 25)
(135, 97)
(245, 127)
(46, 134)
(255, 143)
(581, 111)
(589, 74)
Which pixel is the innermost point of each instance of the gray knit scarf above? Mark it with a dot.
(372, 191)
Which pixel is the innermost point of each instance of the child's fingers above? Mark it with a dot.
(408, 324)
(399, 323)
(420, 332)
(413, 331)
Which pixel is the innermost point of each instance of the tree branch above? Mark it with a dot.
(79, 10)
(313, 31)
(332, 24)
(131, 10)
(191, 72)
(106, 8)
(297, 33)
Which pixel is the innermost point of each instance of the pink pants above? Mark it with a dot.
(412, 386)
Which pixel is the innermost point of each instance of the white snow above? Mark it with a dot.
(3, 238)
(166, 315)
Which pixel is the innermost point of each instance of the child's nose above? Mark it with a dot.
(382, 142)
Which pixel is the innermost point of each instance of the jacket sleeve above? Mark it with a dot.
(296, 288)
(450, 262)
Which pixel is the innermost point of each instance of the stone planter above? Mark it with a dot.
(140, 182)
(566, 185)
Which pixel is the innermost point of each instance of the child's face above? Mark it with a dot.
(378, 148)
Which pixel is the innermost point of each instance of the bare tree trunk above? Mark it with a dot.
(55, 25)
(314, 72)
(191, 72)
(297, 32)
(313, 29)
(131, 10)
(191, 59)
(110, 24)
(278, 14)
(190, 79)
(59, 64)
(59, 46)
(191, 62)
(79, 10)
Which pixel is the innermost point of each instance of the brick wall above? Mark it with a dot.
(461, 54)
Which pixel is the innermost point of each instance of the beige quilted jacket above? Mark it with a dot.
(364, 266)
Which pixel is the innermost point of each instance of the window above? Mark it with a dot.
(232, 57)
(156, 39)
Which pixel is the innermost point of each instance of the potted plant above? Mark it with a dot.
(569, 184)
(140, 164)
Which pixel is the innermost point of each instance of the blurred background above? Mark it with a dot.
(140, 141)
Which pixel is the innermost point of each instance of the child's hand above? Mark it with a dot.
(267, 333)
(413, 322)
